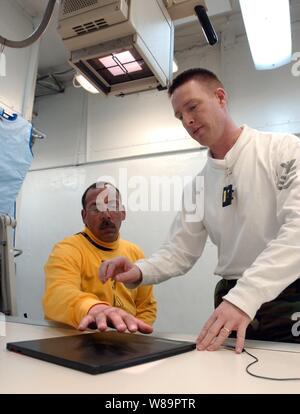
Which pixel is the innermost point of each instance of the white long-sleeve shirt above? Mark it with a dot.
(257, 235)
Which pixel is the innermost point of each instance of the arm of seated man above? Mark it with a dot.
(102, 316)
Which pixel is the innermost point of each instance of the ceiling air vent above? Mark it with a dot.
(90, 27)
(88, 18)
(72, 6)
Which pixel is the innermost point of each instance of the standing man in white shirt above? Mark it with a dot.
(251, 213)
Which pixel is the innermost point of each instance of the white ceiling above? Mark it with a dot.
(53, 55)
(32, 7)
(35, 8)
(58, 57)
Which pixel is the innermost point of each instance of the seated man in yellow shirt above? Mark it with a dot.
(74, 293)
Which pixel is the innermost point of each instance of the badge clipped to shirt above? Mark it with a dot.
(227, 195)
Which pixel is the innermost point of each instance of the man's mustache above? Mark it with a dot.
(107, 224)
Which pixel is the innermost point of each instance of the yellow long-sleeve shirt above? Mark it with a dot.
(73, 285)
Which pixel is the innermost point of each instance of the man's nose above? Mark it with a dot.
(106, 213)
(188, 120)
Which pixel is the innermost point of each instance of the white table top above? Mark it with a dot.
(193, 372)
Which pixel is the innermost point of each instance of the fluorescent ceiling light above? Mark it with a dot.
(268, 27)
(85, 84)
(120, 63)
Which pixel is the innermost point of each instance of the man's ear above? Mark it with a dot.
(83, 215)
(221, 96)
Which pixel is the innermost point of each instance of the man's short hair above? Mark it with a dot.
(99, 184)
(204, 76)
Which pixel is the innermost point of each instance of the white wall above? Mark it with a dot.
(63, 118)
(82, 127)
(17, 87)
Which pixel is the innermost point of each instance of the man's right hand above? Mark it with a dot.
(103, 316)
(121, 270)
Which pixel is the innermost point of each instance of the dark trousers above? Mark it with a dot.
(273, 321)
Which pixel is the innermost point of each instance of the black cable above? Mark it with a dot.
(64, 72)
(261, 376)
(256, 360)
(49, 75)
